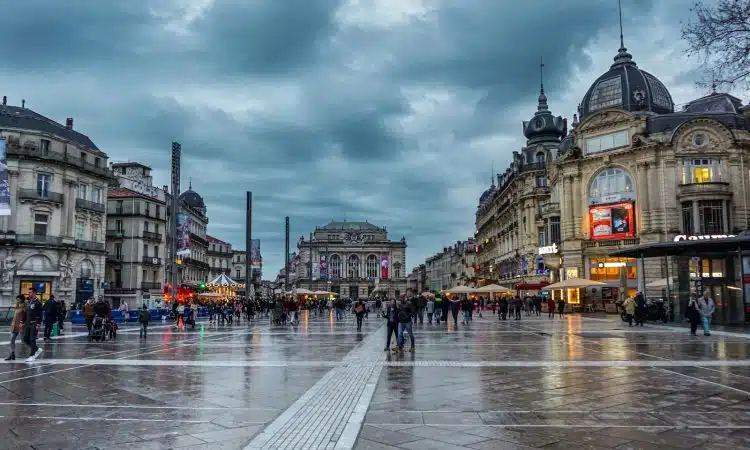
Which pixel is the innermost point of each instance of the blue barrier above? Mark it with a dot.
(77, 317)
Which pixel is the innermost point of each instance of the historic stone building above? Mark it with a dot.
(353, 259)
(454, 265)
(521, 214)
(53, 239)
(220, 258)
(636, 171)
(194, 268)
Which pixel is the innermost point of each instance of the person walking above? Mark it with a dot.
(551, 308)
(405, 314)
(693, 315)
(640, 308)
(518, 306)
(561, 307)
(706, 306)
(466, 306)
(445, 308)
(62, 312)
(16, 326)
(503, 312)
(430, 308)
(51, 315)
(33, 316)
(88, 313)
(454, 305)
(438, 308)
(391, 315)
(629, 306)
(144, 317)
(359, 313)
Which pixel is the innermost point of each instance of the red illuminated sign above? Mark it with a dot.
(615, 221)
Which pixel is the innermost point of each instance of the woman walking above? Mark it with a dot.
(16, 326)
(693, 315)
(359, 312)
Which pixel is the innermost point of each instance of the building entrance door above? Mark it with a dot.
(354, 293)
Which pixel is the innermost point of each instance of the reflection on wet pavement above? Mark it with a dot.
(572, 383)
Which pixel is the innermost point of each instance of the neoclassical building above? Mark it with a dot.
(353, 259)
(635, 171)
(57, 178)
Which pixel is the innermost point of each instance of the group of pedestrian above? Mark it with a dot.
(399, 316)
(700, 310)
(26, 320)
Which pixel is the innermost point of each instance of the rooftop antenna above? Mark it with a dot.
(190, 183)
(713, 87)
(541, 73)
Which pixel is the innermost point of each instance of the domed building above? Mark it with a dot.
(635, 172)
(192, 221)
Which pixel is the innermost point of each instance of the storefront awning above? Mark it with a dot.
(687, 247)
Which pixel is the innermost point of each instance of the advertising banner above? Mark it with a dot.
(323, 266)
(384, 267)
(184, 223)
(4, 186)
(256, 260)
(612, 221)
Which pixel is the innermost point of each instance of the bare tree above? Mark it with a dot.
(721, 36)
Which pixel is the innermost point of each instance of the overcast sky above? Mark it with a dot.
(391, 111)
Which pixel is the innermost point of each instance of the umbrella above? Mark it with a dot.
(495, 289)
(301, 291)
(572, 283)
(461, 290)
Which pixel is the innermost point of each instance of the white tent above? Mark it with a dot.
(495, 289)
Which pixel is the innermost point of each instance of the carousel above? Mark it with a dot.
(222, 289)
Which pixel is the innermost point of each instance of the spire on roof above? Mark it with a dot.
(492, 175)
(542, 106)
(190, 183)
(622, 54)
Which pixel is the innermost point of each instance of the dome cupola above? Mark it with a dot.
(543, 126)
(626, 86)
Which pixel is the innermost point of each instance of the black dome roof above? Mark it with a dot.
(625, 86)
(543, 126)
(192, 199)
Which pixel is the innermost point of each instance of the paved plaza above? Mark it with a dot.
(579, 383)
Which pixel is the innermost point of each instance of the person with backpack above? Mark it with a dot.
(405, 314)
(640, 308)
(359, 313)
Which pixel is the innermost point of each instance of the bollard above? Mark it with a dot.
(56, 329)
(201, 329)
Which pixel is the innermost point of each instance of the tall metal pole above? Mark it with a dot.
(286, 253)
(174, 206)
(248, 242)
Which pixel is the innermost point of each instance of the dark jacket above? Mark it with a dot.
(101, 309)
(33, 311)
(391, 314)
(405, 312)
(51, 311)
(144, 317)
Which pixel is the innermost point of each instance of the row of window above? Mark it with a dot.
(146, 254)
(44, 185)
(45, 145)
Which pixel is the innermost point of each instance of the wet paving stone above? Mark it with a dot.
(585, 383)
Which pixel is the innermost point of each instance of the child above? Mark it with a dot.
(143, 318)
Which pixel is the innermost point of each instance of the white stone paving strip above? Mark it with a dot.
(330, 414)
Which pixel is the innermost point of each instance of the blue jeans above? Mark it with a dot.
(408, 327)
(706, 324)
(339, 314)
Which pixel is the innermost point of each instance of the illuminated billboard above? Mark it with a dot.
(615, 221)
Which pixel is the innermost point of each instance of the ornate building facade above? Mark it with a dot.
(53, 239)
(354, 259)
(521, 214)
(220, 258)
(635, 171)
(454, 265)
(194, 268)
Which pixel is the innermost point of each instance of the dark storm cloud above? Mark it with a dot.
(321, 118)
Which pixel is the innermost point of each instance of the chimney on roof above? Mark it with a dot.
(23, 103)
(5, 100)
(69, 123)
(565, 127)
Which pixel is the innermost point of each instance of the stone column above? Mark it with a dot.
(725, 216)
(696, 219)
(646, 208)
(640, 193)
(70, 202)
(575, 187)
(567, 207)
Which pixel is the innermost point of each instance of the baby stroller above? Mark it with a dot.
(98, 330)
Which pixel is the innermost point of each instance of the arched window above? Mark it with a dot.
(335, 266)
(371, 266)
(353, 266)
(611, 186)
(37, 263)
